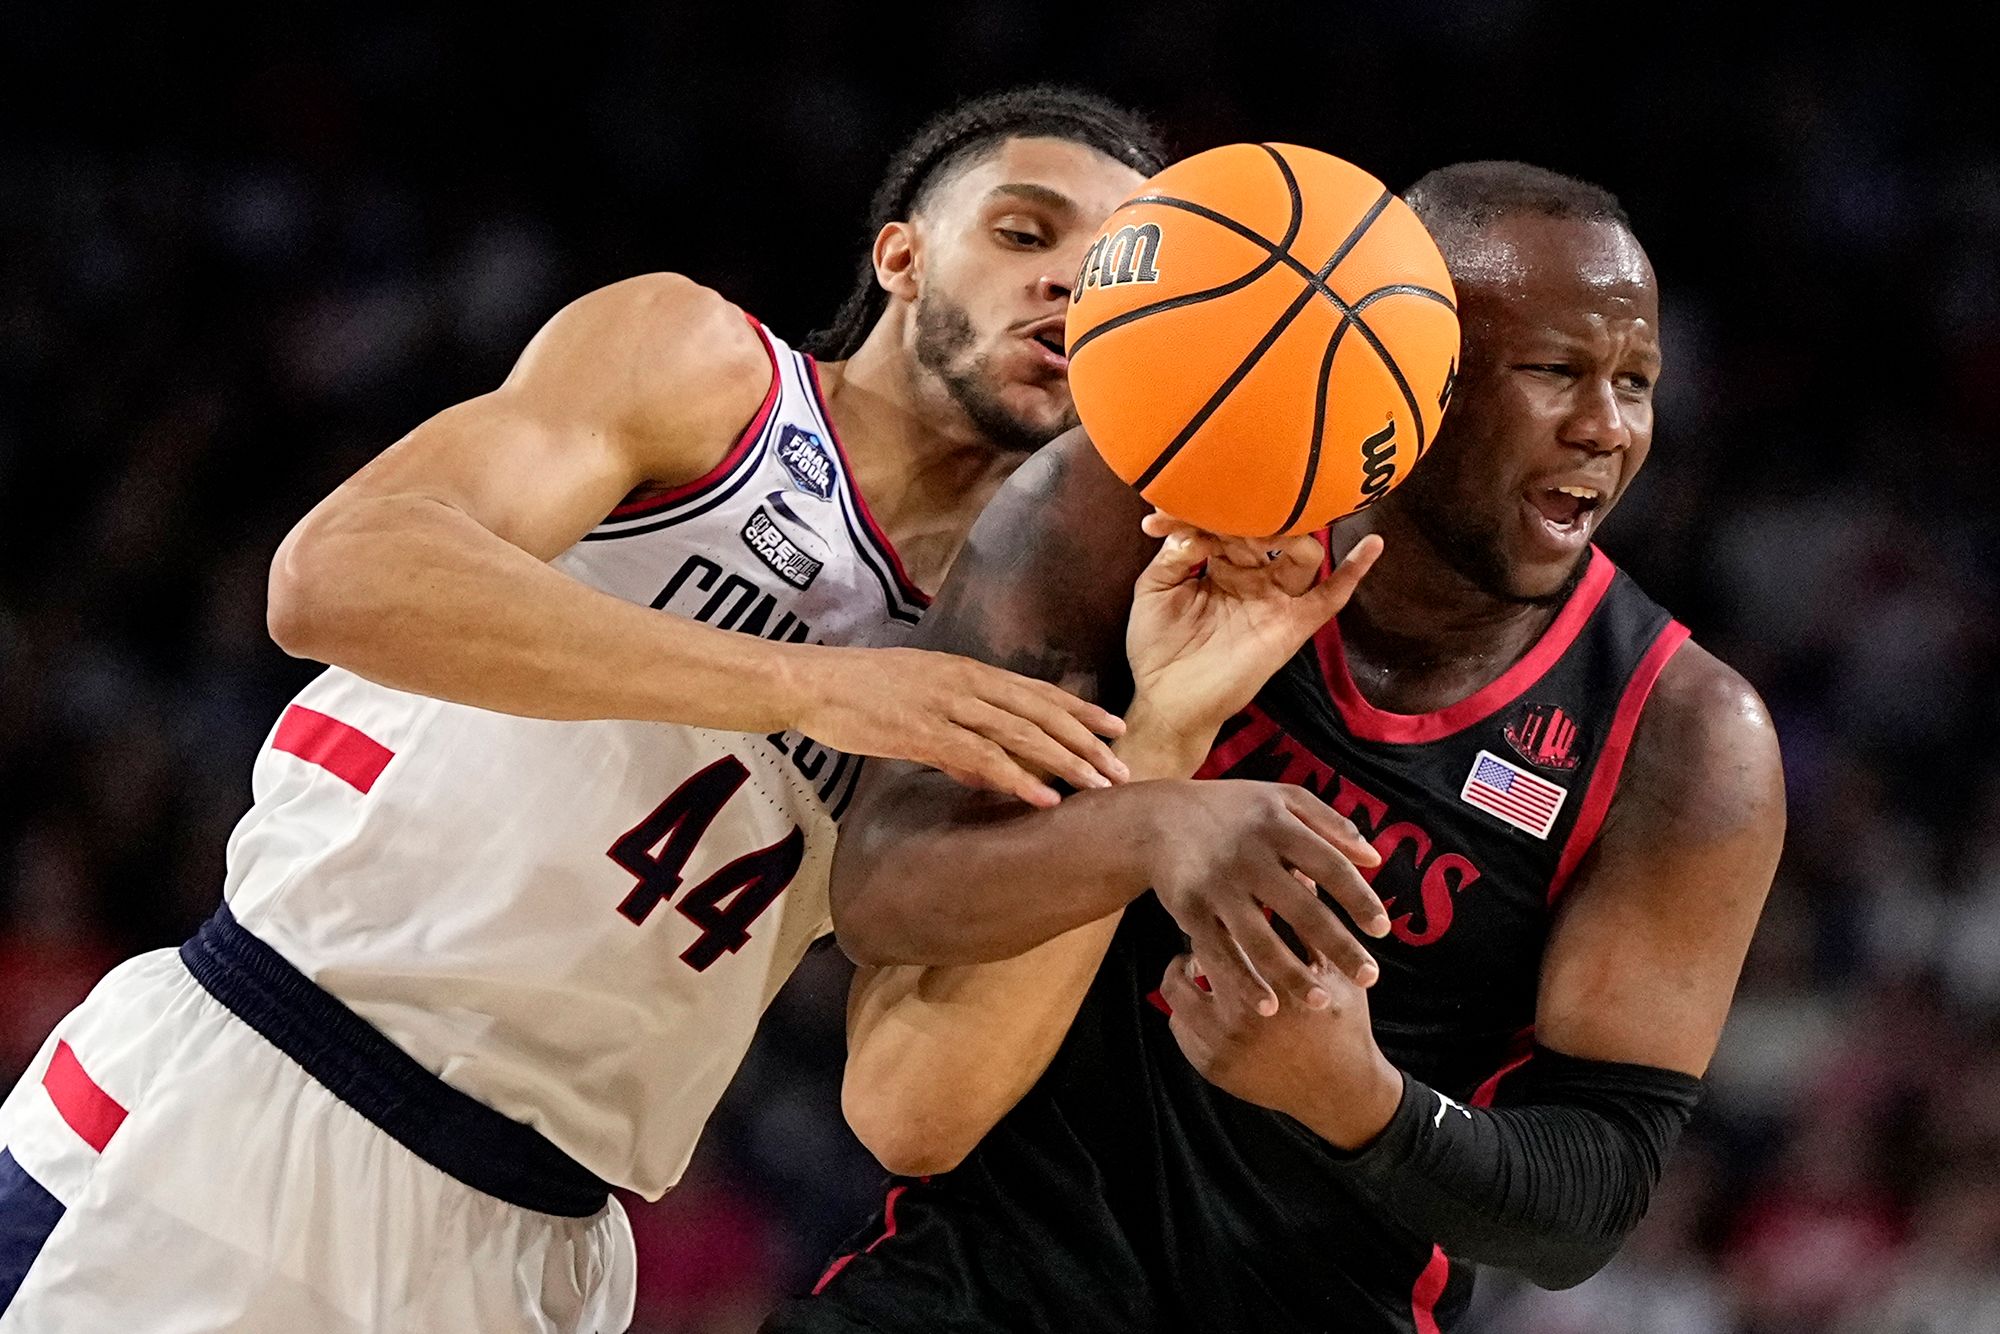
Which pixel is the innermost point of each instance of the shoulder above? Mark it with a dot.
(1065, 499)
(1045, 580)
(654, 353)
(1704, 762)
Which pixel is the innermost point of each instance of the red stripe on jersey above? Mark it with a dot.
(1369, 723)
(633, 506)
(1611, 761)
(1429, 1287)
(889, 1220)
(91, 1112)
(347, 753)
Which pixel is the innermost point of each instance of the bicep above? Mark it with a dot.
(644, 381)
(1650, 939)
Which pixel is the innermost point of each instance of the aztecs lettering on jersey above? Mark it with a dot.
(1257, 748)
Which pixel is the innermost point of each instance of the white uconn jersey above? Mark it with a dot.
(580, 923)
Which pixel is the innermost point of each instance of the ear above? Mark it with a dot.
(898, 257)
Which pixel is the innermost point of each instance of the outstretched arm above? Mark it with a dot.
(428, 570)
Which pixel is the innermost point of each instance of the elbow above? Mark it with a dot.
(317, 599)
(906, 1143)
(296, 607)
(1565, 1266)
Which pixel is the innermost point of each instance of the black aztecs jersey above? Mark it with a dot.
(1125, 1192)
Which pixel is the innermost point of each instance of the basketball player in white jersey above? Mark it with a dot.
(526, 864)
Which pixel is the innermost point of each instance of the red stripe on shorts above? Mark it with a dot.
(91, 1112)
(888, 1231)
(1429, 1287)
(347, 753)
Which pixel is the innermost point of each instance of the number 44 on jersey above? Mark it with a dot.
(656, 852)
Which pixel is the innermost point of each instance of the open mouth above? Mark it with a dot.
(1566, 510)
(1047, 335)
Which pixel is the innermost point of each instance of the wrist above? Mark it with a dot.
(1353, 1117)
(1158, 745)
(785, 677)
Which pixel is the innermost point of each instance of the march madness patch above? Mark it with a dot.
(1508, 792)
(806, 458)
(1545, 737)
(786, 559)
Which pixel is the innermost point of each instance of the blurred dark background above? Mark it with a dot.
(242, 252)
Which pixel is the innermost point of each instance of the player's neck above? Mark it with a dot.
(926, 473)
(1418, 634)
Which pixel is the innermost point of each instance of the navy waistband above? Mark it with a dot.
(456, 1134)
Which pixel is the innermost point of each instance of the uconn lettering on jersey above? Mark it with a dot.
(1266, 752)
(703, 590)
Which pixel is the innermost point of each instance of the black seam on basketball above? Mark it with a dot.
(1319, 424)
(1272, 256)
(1405, 289)
(1389, 362)
(1235, 378)
(1318, 284)
(1223, 219)
(1315, 283)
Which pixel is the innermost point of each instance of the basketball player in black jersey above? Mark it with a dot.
(1574, 815)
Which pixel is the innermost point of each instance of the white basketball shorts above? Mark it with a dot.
(164, 1169)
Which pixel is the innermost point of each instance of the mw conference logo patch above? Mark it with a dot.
(791, 564)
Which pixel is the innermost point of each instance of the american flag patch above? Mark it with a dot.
(1512, 793)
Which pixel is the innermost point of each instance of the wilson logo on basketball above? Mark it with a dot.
(1378, 464)
(1128, 255)
(1544, 736)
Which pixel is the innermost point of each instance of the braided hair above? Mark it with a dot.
(952, 141)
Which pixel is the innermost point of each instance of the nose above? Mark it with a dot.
(1054, 285)
(1598, 422)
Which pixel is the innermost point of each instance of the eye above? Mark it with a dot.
(1019, 239)
(1635, 382)
(1560, 369)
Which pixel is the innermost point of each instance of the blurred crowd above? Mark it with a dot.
(234, 264)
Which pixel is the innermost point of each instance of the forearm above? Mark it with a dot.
(939, 876)
(1549, 1188)
(936, 1056)
(415, 594)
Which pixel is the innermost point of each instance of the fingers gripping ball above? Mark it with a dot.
(1262, 340)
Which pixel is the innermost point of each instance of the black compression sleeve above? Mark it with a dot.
(1547, 1185)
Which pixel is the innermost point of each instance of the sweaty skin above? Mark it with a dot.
(427, 571)
(1556, 391)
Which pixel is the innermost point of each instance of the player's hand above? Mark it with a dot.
(1320, 1066)
(982, 725)
(1213, 618)
(1227, 855)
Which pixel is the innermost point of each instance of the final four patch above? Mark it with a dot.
(806, 458)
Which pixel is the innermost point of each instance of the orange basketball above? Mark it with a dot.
(1262, 340)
